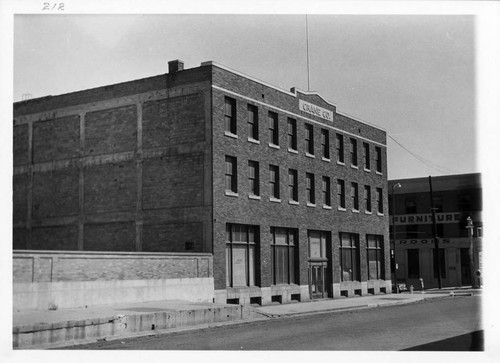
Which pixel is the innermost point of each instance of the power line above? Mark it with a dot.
(428, 163)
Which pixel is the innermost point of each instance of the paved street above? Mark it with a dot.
(444, 324)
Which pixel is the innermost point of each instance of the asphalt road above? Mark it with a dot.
(451, 324)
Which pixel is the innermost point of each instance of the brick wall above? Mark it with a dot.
(110, 188)
(55, 193)
(266, 214)
(56, 139)
(122, 167)
(111, 131)
(78, 279)
(33, 266)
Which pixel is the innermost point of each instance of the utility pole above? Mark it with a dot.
(470, 227)
(394, 186)
(434, 236)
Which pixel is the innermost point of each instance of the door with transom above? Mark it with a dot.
(318, 264)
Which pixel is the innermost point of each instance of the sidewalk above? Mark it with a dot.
(57, 328)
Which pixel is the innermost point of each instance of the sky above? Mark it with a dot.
(411, 75)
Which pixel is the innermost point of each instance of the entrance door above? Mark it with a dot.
(317, 273)
(318, 262)
(465, 269)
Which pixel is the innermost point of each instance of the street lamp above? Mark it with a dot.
(470, 228)
(394, 186)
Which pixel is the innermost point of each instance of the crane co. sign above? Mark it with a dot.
(316, 110)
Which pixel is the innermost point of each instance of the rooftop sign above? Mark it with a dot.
(316, 110)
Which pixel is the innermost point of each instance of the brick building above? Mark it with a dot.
(288, 195)
(455, 198)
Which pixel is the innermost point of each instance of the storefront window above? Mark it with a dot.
(349, 257)
(241, 255)
(375, 254)
(283, 255)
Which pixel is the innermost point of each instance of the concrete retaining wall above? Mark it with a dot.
(51, 280)
(46, 335)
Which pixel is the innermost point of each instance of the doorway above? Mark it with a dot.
(318, 264)
(465, 274)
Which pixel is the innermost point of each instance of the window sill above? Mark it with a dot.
(325, 159)
(367, 170)
(378, 172)
(253, 141)
(293, 202)
(253, 196)
(274, 146)
(380, 214)
(312, 205)
(310, 156)
(293, 151)
(355, 210)
(354, 167)
(368, 212)
(275, 200)
(230, 134)
(341, 209)
(231, 194)
(326, 206)
(340, 163)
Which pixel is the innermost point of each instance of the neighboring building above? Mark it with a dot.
(455, 198)
(289, 196)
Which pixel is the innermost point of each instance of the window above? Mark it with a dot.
(378, 158)
(441, 260)
(310, 197)
(231, 176)
(326, 191)
(410, 205)
(273, 129)
(368, 198)
(349, 257)
(341, 193)
(241, 254)
(253, 122)
(340, 148)
(354, 196)
(317, 245)
(293, 187)
(284, 255)
(230, 115)
(309, 139)
(366, 156)
(413, 263)
(253, 177)
(375, 255)
(274, 181)
(354, 152)
(437, 201)
(380, 201)
(325, 143)
(292, 134)
(464, 202)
